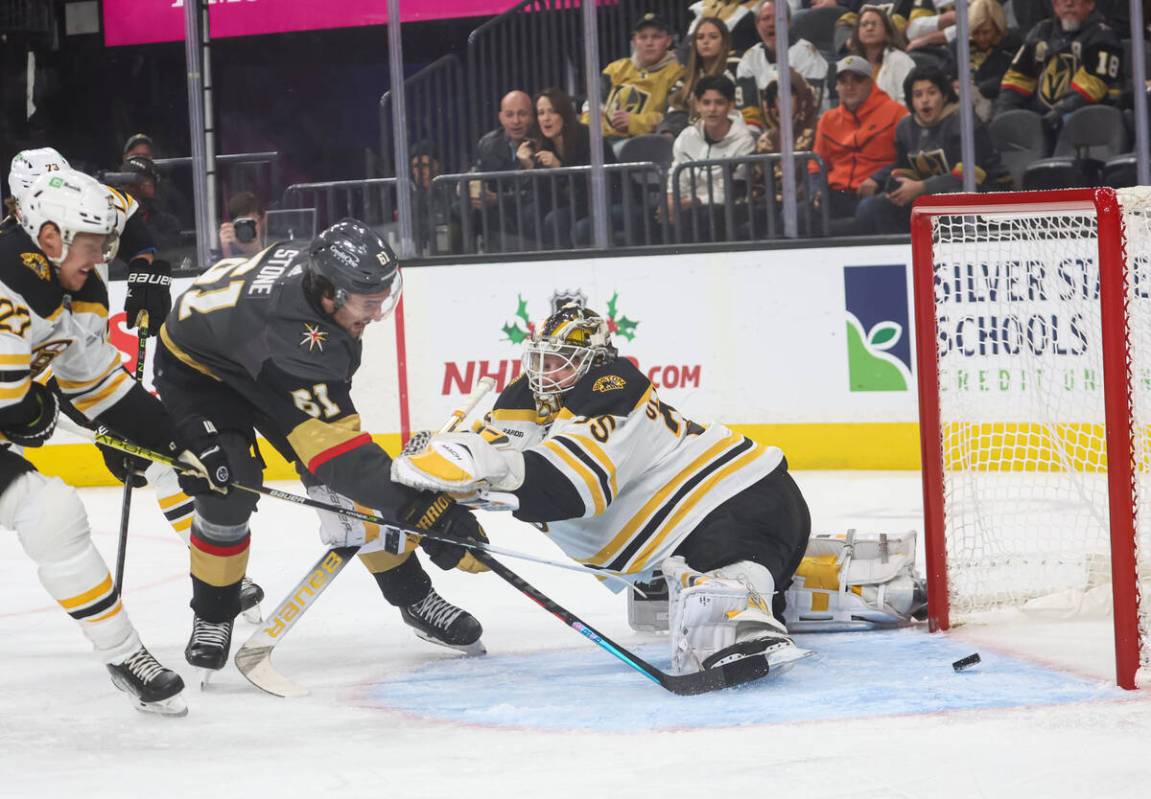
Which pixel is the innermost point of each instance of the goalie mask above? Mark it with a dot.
(75, 203)
(563, 349)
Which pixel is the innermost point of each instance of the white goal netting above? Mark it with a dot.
(1021, 400)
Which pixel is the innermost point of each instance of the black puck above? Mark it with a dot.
(966, 663)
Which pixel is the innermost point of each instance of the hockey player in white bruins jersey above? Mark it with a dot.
(53, 314)
(619, 479)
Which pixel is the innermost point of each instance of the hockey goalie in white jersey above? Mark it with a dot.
(53, 314)
(619, 479)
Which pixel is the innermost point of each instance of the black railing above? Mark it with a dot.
(740, 199)
(373, 201)
(429, 98)
(543, 209)
(258, 173)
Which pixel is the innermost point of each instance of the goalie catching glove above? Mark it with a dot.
(437, 513)
(460, 463)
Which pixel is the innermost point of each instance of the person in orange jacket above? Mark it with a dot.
(856, 139)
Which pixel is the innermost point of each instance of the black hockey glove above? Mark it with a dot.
(439, 514)
(1053, 120)
(203, 453)
(150, 291)
(124, 467)
(42, 404)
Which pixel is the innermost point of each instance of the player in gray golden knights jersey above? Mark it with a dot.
(271, 344)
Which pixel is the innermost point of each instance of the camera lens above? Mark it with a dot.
(245, 230)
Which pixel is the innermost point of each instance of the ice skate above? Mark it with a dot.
(208, 647)
(151, 687)
(251, 595)
(440, 622)
(780, 651)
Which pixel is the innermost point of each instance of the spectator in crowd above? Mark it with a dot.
(856, 139)
(564, 142)
(932, 24)
(993, 45)
(928, 155)
(877, 40)
(718, 134)
(495, 214)
(433, 206)
(1069, 61)
(757, 68)
(636, 88)
(244, 233)
(804, 117)
(710, 55)
(139, 144)
(144, 186)
(737, 16)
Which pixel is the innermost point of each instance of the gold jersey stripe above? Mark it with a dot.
(573, 463)
(514, 415)
(90, 401)
(689, 502)
(175, 499)
(17, 391)
(88, 596)
(80, 385)
(182, 356)
(97, 308)
(312, 437)
(637, 521)
(219, 570)
(599, 456)
(19, 359)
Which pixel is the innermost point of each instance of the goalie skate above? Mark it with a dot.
(251, 595)
(438, 621)
(778, 649)
(151, 687)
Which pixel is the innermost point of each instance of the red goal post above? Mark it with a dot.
(1016, 434)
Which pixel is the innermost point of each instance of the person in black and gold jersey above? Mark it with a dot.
(1069, 61)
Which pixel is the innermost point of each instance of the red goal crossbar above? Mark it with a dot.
(1104, 203)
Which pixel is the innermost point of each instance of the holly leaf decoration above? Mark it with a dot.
(626, 328)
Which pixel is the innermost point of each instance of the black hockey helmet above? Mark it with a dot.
(351, 258)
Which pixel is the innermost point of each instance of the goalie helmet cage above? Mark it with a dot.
(1033, 342)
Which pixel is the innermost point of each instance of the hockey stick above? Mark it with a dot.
(394, 543)
(701, 682)
(126, 501)
(254, 658)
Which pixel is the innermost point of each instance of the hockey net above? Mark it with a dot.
(1033, 316)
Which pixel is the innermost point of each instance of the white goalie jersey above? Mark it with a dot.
(41, 325)
(617, 478)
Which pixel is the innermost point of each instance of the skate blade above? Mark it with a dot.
(781, 660)
(173, 706)
(253, 615)
(474, 649)
(206, 677)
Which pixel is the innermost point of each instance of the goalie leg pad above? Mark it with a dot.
(713, 611)
(855, 582)
(52, 527)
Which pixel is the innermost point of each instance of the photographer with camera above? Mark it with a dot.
(244, 235)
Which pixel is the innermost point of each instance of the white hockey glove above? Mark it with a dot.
(460, 463)
(343, 531)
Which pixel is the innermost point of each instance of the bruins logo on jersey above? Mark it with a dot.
(43, 355)
(608, 383)
(930, 163)
(1055, 81)
(627, 97)
(38, 264)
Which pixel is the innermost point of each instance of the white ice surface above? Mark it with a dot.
(389, 715)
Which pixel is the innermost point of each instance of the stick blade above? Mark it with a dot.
(255, 663)
(728, 675)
